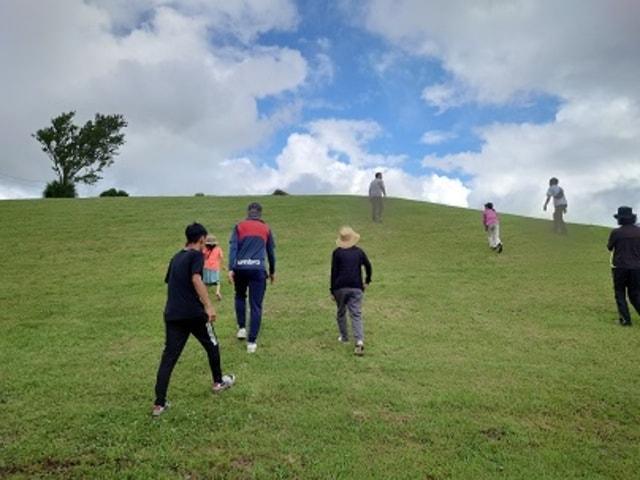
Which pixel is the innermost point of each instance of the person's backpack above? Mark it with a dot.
(560, 194)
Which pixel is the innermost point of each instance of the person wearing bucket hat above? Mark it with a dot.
(250, 246)
(213, 257)
(624, 245)
(347, 287)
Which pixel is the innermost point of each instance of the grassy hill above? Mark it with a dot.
(477, 366)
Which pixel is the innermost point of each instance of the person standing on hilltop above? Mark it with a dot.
(624, 243)
(188, 311)
(376, 194)
(556, 192)
(491, 223)
(250, 246)
(347, 287)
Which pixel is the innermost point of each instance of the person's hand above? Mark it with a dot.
(365, 286)
(544, 208)
(211, 313)
(333, 297)
(486, 228)
(272, 277)
(232, 277)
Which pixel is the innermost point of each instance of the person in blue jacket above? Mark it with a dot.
(250, 246)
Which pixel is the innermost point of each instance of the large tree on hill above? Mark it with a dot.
(79, 154)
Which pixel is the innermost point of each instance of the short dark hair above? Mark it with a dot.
(378, 174)
(488, 205)
(195, 232)
(553, 181)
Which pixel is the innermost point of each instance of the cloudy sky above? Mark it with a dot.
(457, 102)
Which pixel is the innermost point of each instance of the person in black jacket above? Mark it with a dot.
(347, 287)
(624, 243)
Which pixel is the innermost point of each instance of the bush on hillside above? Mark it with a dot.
(112, 192)
(277, 191)
(56, 189)
(199, 194)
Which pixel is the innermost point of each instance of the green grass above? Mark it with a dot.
(477, 366)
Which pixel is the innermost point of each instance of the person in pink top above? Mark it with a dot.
(213, 257)
(491, 223)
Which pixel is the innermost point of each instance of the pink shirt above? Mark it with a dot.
(213, 258)
(490, 217)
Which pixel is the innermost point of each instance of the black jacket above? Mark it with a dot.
(346, 268)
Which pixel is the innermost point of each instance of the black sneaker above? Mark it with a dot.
(499, 248)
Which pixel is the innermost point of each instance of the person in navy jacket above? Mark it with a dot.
(250, 246)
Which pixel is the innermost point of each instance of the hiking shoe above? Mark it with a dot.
(359, 350)
(227, 382)
(252, 347)
(159, 409)
(242, 334)
(342, 339)
(499, 248)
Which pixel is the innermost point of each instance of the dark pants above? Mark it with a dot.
(377, 205)
(626, 281)
(558, 222)
(256, 282)
(177, 334)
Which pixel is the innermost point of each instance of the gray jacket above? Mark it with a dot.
(376, 188)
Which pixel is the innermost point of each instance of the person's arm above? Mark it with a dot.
(384, 190)
(203, 295)
(484, 221)
(612, 241)
(367, 268)
(334, 273)
(222, 259)
(233, 251)
(271, 254)
(166, 277)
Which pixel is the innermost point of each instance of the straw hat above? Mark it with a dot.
(347, 238)
(211, 240)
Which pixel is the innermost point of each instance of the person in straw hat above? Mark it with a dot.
(213, 257)
(347, 287)
(624, 243)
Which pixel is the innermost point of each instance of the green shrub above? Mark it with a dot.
(55, 189)
(112, 192)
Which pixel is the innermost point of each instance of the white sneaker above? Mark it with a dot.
(227, 382)
(242, 334)
(252, 347)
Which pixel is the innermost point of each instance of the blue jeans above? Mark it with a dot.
(256, 282)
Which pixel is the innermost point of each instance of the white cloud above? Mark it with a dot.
(592, 146)
(328, 158)
(243, 19)
(502, 48)
(443, 96)
(190, 103)
(435, 137)
(583, 52)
